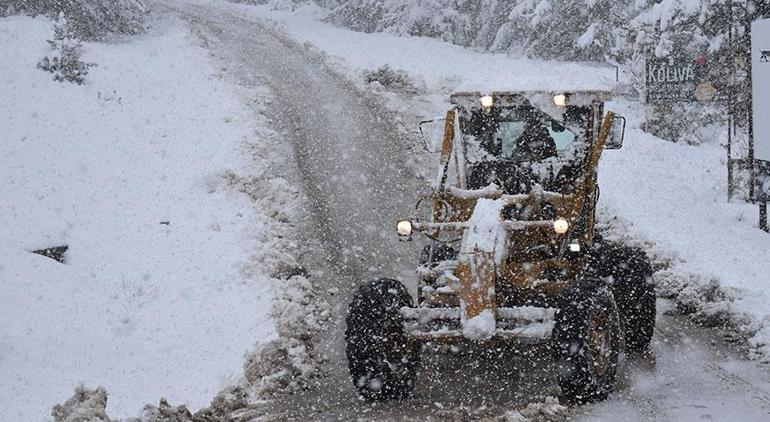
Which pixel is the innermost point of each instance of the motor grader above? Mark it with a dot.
(512, 253)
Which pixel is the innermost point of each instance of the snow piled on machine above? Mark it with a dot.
(485, 231)
(156, 176)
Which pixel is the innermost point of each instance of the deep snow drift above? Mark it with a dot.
(153, 173)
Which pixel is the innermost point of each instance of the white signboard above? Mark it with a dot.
(760, 77)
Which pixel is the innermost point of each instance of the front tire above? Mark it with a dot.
(634, 293)
(587, 342)
(633, 289)
(382, 360)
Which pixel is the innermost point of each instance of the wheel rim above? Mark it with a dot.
(600, 342)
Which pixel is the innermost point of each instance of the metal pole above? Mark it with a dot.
(730, 103)
(750, 105)
(762, 205)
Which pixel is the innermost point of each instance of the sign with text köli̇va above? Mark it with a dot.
(678, 80)
(760, 79)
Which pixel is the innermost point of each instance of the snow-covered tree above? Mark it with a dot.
(64, 62)
(89, 19)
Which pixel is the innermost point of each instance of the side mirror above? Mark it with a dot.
(432, 132)
(617, 132)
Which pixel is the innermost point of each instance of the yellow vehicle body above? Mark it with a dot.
(476, 283)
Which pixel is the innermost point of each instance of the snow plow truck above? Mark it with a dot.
(512, 251)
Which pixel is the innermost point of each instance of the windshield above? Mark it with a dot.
(520, 146)
(515, 133)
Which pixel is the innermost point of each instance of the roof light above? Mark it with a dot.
(560, 226)
(487, 101)
(560, 100)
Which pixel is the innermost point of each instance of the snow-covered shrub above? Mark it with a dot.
(84, 406)
(389, 78)
(64, 62)
(89, 19)
(684, 122)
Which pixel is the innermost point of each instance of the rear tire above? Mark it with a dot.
(587, 342)
(382, 360)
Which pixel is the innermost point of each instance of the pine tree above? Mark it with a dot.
(65, 61)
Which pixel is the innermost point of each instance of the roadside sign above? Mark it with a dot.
(760, 77)
(685, 79)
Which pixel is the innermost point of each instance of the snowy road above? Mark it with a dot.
(351, 165)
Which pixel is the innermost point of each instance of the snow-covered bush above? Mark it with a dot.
(89, 19)
(84, 406)
(64, 62)
(389, 78)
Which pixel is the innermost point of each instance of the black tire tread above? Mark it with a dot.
(372, 315)
(579, 384)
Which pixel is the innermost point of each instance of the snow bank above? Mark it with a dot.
(548, 410)
(674, 196)
(84, 405)
(291, 362)
(141, 172)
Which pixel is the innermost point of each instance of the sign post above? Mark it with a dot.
(759, 124)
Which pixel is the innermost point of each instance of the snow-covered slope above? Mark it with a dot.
(443, 67)
(670, 196)
(138, 172)
(674, 196)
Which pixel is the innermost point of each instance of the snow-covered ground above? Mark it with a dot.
(674, 197)
(671, 197)
(140, 172)
(441, 67)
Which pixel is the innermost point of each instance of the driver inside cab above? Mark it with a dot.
(516, 148)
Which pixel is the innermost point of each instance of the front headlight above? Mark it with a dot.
(560, 226)
(487, 101)
(404, 228)
(560, 100)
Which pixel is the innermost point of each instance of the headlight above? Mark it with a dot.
(560, 100)
(487, 101)
(404, 228)
(560, 226)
